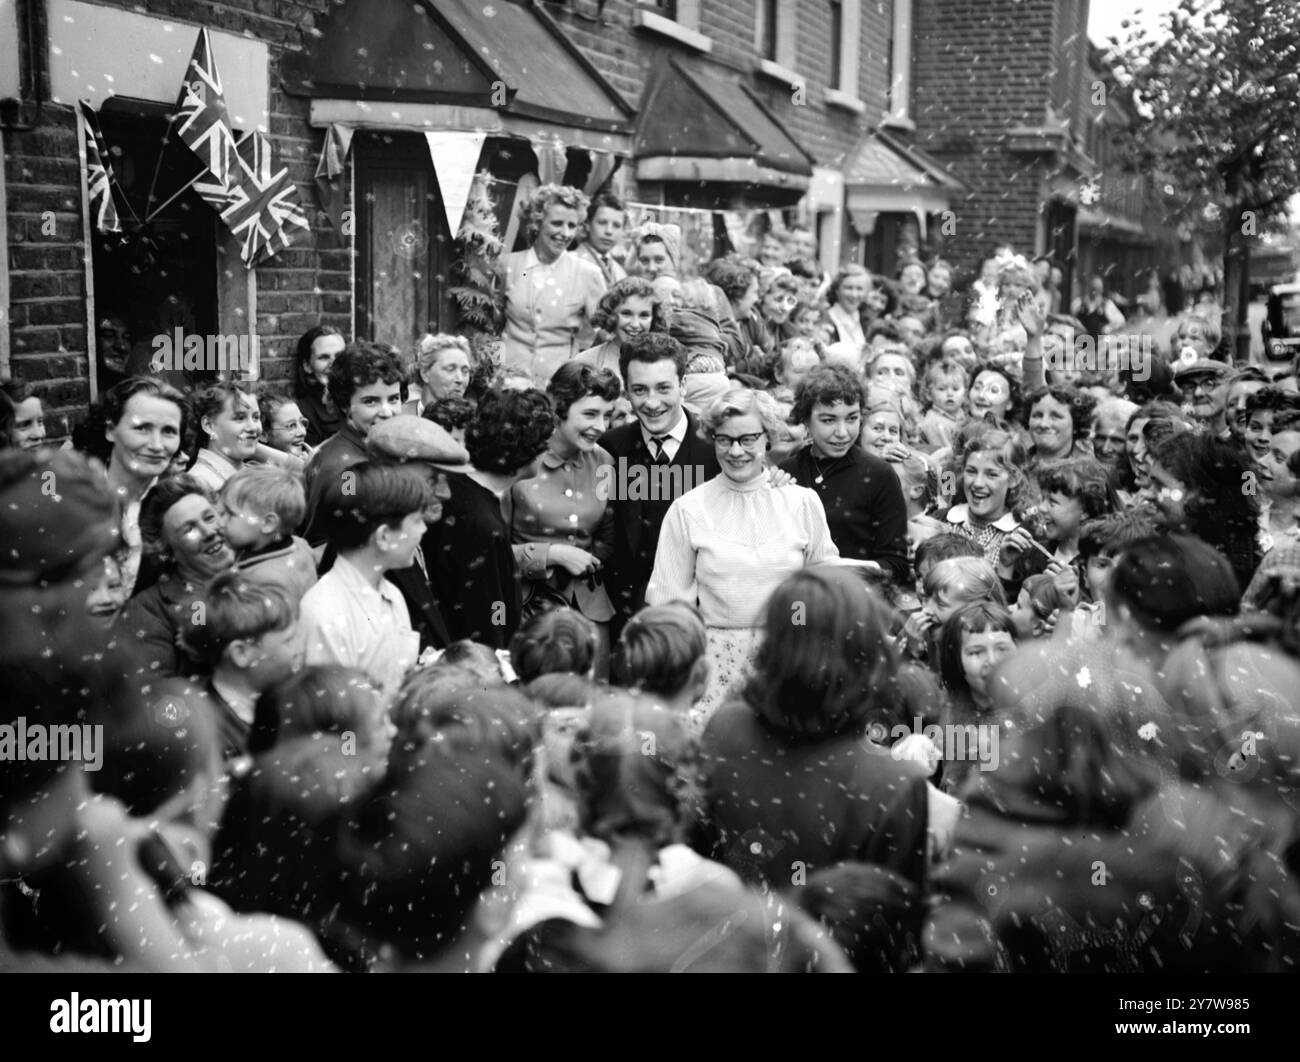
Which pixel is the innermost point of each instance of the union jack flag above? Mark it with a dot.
(99, 178)
(203, 124)
(264, 205)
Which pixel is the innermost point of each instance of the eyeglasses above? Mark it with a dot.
(747, 442)
(786, 300)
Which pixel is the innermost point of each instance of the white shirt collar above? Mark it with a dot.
(677, 432)
(355, 578)
(960, 514)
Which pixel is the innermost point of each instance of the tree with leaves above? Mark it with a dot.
(1216, 89)
(476, 291)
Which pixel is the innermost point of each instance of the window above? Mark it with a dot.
(666, 8)
(837, 43)
(765, 42)
(676, 20)
(899, 103)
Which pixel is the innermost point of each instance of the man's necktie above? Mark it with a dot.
(661, 454)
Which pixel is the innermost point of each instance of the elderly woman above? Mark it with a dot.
(562, 526)
(728, 543)
(550, 292)
(442, 368)
(630, 308)
(183, 530)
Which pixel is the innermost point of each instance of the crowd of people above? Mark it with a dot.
(738, 617)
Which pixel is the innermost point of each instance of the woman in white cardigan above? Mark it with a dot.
(727, 544)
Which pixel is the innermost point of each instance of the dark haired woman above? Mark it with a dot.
(183, 531)
(562, 525)
(630, 308)
(1199, 483)
(865, 507)
(1059, 420)
(313, 356)
(471, 564)
(791, 776)
(231, 424)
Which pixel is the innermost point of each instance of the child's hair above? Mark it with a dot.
(1045, 596)
(475, 657)
(914, 469)
(1115, 532)
(943, 369)
(561, 639)
(979, 617)
(327, 698)
(236, 607)
(269, 403)
(945, 546)
(265, 489)
(1082, 478)
(450, 413)
(367, 495)
(659, 647)
(965, 578)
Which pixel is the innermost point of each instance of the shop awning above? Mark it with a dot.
(450, 64)
(703, 126)
(884, 176)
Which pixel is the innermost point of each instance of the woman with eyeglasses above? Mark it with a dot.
(727, 544)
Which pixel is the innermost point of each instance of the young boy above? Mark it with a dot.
(661, 654)
(944, 392)
(261, 507)
(1101, 541)
(375, 516)
(247, 636)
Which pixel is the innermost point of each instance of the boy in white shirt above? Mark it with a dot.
(376, 516)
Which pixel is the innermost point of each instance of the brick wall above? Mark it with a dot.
(981, 67)
(47, 276)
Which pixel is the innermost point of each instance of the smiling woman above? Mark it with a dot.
(728, 543)
(182, 528)
(231, 423)
(550, 293)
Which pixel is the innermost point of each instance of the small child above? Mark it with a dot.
(973, 642)
(947, 587)
(944, 392)
(452, 415)
(1100, 544)
(661, 653)
(262, 506)
(247, 637)
(1073, 490)
(1039, 598)
(284, 428)
(559, 640)
(920, 485)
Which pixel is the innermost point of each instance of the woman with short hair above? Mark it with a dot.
(314, 354)
(729, 542)
(551, 293)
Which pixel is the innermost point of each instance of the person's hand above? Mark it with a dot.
(1030, 314)
(919, 748)
(1066, 580)
(575, 561)
(1013, 545)
(779, 477)
(894, 453)
(917, 628)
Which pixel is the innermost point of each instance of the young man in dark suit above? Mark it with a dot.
(658, 456)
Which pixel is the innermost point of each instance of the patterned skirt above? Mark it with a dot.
(730, 653)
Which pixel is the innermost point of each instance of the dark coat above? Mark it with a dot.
(636, 520)
(1174, 880)
(156, 617)
(774, 802)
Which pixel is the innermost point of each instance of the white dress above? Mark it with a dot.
(726, 546)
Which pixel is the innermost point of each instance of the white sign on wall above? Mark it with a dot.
(97, 52)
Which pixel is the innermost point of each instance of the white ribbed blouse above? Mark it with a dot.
(727, 546)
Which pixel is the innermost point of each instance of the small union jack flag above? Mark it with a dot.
(203, 124)
(99, 177)
(264, 207)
